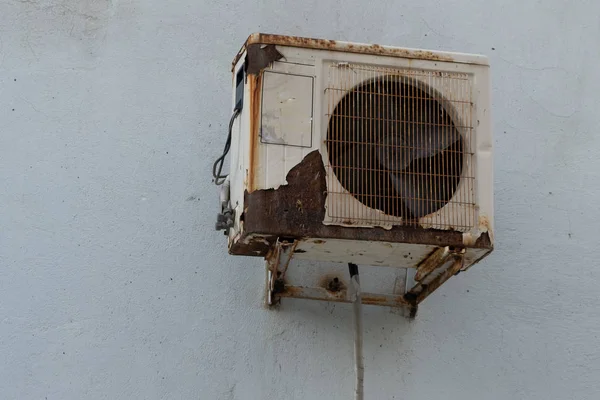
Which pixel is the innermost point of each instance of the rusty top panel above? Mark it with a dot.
(361, 48)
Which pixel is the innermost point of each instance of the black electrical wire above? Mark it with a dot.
(218, 165)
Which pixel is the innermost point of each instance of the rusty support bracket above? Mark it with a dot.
(437, 269)
(342, 296)
(278, 261)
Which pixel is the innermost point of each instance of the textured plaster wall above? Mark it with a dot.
(113, 284)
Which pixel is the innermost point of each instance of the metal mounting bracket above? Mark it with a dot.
(278, 261)
(430, 274)
(436, 269)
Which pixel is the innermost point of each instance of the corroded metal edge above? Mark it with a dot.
(360, 48)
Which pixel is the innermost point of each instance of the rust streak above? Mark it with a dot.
(254, 86)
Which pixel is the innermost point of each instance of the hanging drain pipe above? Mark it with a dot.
(358, 332)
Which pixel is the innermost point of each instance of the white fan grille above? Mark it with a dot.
(400, 149)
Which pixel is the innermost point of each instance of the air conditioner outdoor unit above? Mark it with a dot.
(347, 152)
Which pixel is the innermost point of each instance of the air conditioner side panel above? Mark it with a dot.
(287, 129)
(484, 160)
(239, 169)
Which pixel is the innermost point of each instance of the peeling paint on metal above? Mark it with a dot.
(360, 48)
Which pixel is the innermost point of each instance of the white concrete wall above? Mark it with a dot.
(113, 284)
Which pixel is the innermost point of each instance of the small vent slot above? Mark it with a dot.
(399, 142)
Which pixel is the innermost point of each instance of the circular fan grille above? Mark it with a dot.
(395, 148)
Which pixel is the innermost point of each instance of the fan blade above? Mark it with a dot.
(417, 194)
(393, 153)
(431, 139)
(407, 187)
(396, 151)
